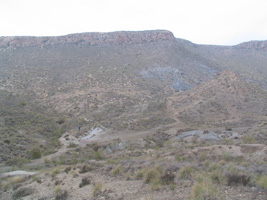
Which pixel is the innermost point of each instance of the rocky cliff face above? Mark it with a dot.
(122, 37)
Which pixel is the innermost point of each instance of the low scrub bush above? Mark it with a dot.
(36, 153)
(168, 178)
(22, 192)
(84, 169)
(85, 181)
(157, 177)
(61, 195)
(152, 175)
(235, 178)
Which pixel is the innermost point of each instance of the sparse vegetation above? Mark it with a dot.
(97, 155)
(84, 169)
(61, 194)
(152, 176)
(226, 156)
(235, 178)
(249, 139)
(55, 172)
(216, 176)
(186, 172)
(97, 188)
(167, 178)
(117, 171)
(139, 174)
(262, 182)
(22, 192)
(72, 145)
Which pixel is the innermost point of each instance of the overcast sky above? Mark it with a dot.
(224, 22)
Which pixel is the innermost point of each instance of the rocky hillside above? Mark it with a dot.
(226, 100)
(121, 81)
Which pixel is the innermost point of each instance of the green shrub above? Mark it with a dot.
(35, 154)
(7, 141)
(61, 121)
(262, 182)
(23, 103)
(139, 174)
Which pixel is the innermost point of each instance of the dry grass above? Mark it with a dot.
(186, 172)
(97, 188)
(262, 182)
(117, 171)
(205, 190)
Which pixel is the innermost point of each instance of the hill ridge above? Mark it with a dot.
(91, 38)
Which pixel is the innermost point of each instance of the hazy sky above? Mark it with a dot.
(200, 21)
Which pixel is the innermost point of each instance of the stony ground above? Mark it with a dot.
(121, 169)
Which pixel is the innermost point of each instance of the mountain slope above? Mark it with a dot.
(122, 81)
(225, 100)
(246, 59)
